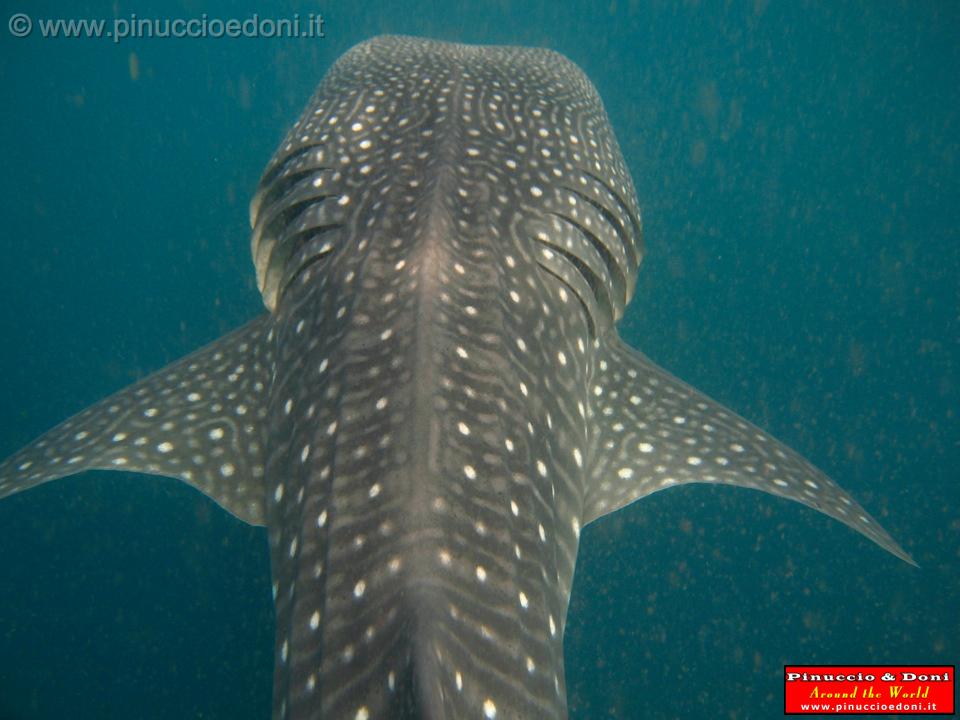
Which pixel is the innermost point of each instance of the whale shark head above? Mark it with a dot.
(437, 400)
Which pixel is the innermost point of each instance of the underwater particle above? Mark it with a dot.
(133, 65)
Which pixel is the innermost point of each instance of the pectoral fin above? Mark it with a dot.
(199, 420)
(652, 431)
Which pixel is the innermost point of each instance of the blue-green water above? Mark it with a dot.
(798, 169)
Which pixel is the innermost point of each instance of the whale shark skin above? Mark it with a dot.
(437, 400)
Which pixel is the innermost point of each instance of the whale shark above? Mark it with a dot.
(436, 400)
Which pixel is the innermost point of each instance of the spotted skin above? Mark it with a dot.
(437, 401)
(199, 420)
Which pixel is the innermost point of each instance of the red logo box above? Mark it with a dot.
(869, 689)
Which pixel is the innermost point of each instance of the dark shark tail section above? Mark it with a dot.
(421, 666)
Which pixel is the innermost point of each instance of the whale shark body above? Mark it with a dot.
(437, 400)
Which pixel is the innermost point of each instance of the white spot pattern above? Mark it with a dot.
(400, 327)
(165, 428)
